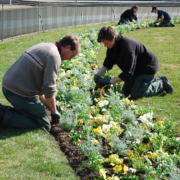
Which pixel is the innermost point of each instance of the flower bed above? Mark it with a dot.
(112, 136)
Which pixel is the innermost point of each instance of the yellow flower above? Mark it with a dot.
(159, 121)
(97, 130)
(114, 159)
(113, 178)
(117, 168)
(127, 101)
(129, 154)
(102, 173)
(96, 141)
(79, 141)
(125, 169)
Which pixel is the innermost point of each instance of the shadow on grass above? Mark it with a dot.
(11, 132)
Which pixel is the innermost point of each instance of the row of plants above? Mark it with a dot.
(120, 139)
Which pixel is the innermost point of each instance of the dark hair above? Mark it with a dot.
(107, 33)
(134, 7)
(71, 40)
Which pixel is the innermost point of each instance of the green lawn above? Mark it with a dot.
(165, 43)
(32, 154)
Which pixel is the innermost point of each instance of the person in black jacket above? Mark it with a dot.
(138, 64)
(129, 15)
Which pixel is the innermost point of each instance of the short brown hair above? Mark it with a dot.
(71, 40)
(135, 7)
(107, 33)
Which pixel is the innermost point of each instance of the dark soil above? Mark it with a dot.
(73, 155)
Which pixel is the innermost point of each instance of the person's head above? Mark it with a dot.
(154, 9)
(70, 47)
(107, 35)
(135, 9)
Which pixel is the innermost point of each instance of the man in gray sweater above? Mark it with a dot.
(30, 83)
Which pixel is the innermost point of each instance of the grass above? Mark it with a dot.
(32, 154)
(165, 43)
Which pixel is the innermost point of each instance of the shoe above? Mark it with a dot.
(166, 86)
(3, 110)
(172, 25)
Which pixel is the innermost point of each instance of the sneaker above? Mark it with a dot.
(166, 86)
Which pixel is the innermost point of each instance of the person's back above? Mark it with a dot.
(32, 73)
(163, 18)
(129, 15)
(165, 14)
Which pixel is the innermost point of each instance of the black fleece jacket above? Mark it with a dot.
(129, 15)
(132, 57)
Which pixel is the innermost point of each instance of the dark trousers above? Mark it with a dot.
(27, 113)
(123, 21)
(144, 85)
(165, 23)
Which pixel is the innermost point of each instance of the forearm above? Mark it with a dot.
(115, 80)
(102, 70)
(50, 103)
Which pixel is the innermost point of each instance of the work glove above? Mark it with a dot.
(104, 81)
(100, 82)
(55, 118)
(96, 78)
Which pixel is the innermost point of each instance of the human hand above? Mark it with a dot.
(96, 78)
(104, 81)
(55, 118)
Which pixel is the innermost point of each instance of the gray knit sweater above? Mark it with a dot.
(35, 72)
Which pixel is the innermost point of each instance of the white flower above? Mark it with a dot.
(103, 103)
(103, 110)
(132, 170)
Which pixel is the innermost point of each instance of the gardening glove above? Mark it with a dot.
(55, 118)
(96, 78)
(104, 81)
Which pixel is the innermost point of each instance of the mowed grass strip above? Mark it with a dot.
(165, 43)
(31, 155)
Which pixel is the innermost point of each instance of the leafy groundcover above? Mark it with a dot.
(106, 136)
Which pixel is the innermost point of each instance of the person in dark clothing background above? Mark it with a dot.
(129, 15)
(138, 64)
(163, 17)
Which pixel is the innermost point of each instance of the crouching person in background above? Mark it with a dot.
(129, 16)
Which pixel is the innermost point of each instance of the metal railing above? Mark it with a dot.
(42, 16)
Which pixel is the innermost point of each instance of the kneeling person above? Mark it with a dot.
(163, 18)
(138, 64)
(30, 83)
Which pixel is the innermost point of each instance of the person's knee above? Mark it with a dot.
(136, 95)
